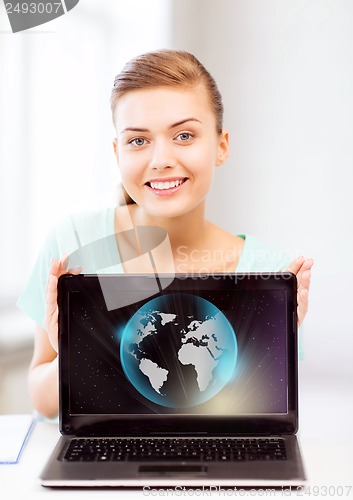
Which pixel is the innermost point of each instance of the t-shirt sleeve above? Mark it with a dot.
(258, 257)
(32, 299)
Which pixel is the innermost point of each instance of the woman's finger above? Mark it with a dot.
(52, 295)
(295, 265)
(305, 280)
(63, 263)
(75, 270)
(53, 271)
(306, 266)
(303, 296)
(51, 312)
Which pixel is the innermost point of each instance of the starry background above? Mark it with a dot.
(258, 385)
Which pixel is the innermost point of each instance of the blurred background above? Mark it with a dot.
(285, 70)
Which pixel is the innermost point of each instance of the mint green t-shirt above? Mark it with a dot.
(90, 241)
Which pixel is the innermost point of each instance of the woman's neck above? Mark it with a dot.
(194, 245)
(188, 231)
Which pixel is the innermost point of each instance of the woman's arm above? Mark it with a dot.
(43, 375)
(43, 371)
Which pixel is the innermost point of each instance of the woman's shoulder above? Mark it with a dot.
(85, 225)
(261, 256)
(88, 237)
(88, 220)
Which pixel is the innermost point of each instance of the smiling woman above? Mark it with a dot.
(168, 114)
(169, 141)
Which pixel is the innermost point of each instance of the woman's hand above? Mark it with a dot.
(301, 267)
(57, 269)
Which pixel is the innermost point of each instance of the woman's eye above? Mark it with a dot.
(185, 136)
(139, 141)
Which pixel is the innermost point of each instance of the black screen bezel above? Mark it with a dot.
(108, 424)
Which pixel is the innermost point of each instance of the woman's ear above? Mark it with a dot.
(223, 147)
(115, 146)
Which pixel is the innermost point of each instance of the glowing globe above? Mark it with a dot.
(178, 360)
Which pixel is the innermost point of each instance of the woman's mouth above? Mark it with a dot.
(165, 188)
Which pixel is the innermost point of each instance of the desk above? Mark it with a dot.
(328, 454)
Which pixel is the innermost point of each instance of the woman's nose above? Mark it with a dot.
(162, 156)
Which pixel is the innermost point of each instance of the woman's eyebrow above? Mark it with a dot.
(134, 129)
(177, 124)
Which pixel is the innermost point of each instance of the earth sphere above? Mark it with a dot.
(178, 360)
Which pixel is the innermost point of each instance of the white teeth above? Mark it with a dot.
(165, 185)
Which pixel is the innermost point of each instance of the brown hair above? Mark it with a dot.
(168, 68)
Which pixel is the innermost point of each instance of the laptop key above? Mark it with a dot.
(207, 450)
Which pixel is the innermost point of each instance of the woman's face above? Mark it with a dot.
(167, 148)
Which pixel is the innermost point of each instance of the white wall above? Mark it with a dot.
(285, 69)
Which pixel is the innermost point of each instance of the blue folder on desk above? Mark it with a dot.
(14, 433)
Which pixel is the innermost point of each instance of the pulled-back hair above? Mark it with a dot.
(167, 68)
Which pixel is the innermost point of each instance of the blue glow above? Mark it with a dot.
(178, 359)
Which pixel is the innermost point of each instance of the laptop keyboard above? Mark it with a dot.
(199, 449)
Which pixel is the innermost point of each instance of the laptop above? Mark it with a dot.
(177, 381)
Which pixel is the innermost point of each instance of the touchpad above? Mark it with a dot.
(172, 470)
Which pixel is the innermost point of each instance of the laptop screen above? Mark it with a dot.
(200, 346)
